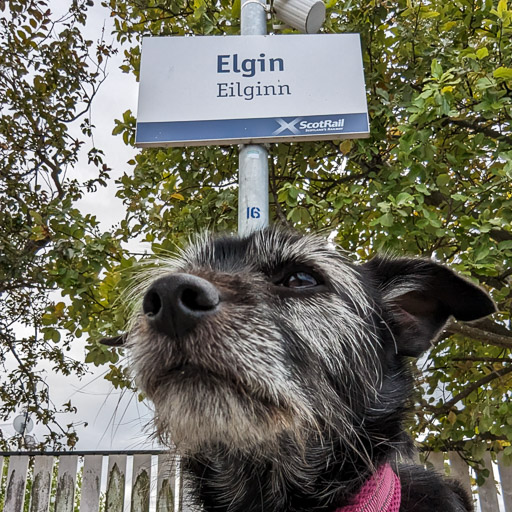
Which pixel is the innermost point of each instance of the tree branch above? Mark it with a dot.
(473, 126)
(482, 359)
(491, 338)
(487, 324)
(470, 388)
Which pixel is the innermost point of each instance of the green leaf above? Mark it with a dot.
(503, 72)
(386, 220)
(436, 69)
(481, 252)
(443, 180)
(482, 53)
(502, 7)
(505, 245)
(235, 9)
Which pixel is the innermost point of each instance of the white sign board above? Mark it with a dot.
(232, 89)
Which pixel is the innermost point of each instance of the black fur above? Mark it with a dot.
(426, 491)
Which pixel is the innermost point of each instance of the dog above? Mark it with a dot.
(280, 371)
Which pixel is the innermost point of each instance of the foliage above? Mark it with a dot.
(50, 253)
(432, 180)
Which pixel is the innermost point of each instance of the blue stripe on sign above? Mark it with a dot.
(270, 127)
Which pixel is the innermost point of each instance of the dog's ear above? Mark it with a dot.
(114, 341)
(421, 296)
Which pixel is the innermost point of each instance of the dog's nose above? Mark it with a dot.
(176, 303)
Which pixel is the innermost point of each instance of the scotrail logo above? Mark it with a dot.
(283, 125)
(299, 126)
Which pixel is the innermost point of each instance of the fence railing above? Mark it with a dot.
(149, 481)
(138, 481)
(495, 495)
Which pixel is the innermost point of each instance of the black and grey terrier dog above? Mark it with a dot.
(280, 371)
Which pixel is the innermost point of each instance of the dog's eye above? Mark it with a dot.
(300, 280)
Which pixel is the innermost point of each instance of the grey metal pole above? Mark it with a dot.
(253, 159)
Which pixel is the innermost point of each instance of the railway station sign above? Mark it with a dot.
(250, 89)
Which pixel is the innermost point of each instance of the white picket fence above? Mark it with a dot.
(495, 495)
(89, 481)
(149, 481)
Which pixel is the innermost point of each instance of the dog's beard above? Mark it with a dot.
(205, 398)
(206, 412)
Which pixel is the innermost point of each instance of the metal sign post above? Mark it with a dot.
(253, 159)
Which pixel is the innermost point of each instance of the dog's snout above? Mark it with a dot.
(176, 303)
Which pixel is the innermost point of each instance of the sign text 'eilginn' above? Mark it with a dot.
(249, 68)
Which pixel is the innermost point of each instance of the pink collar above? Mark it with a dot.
(380, 493)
